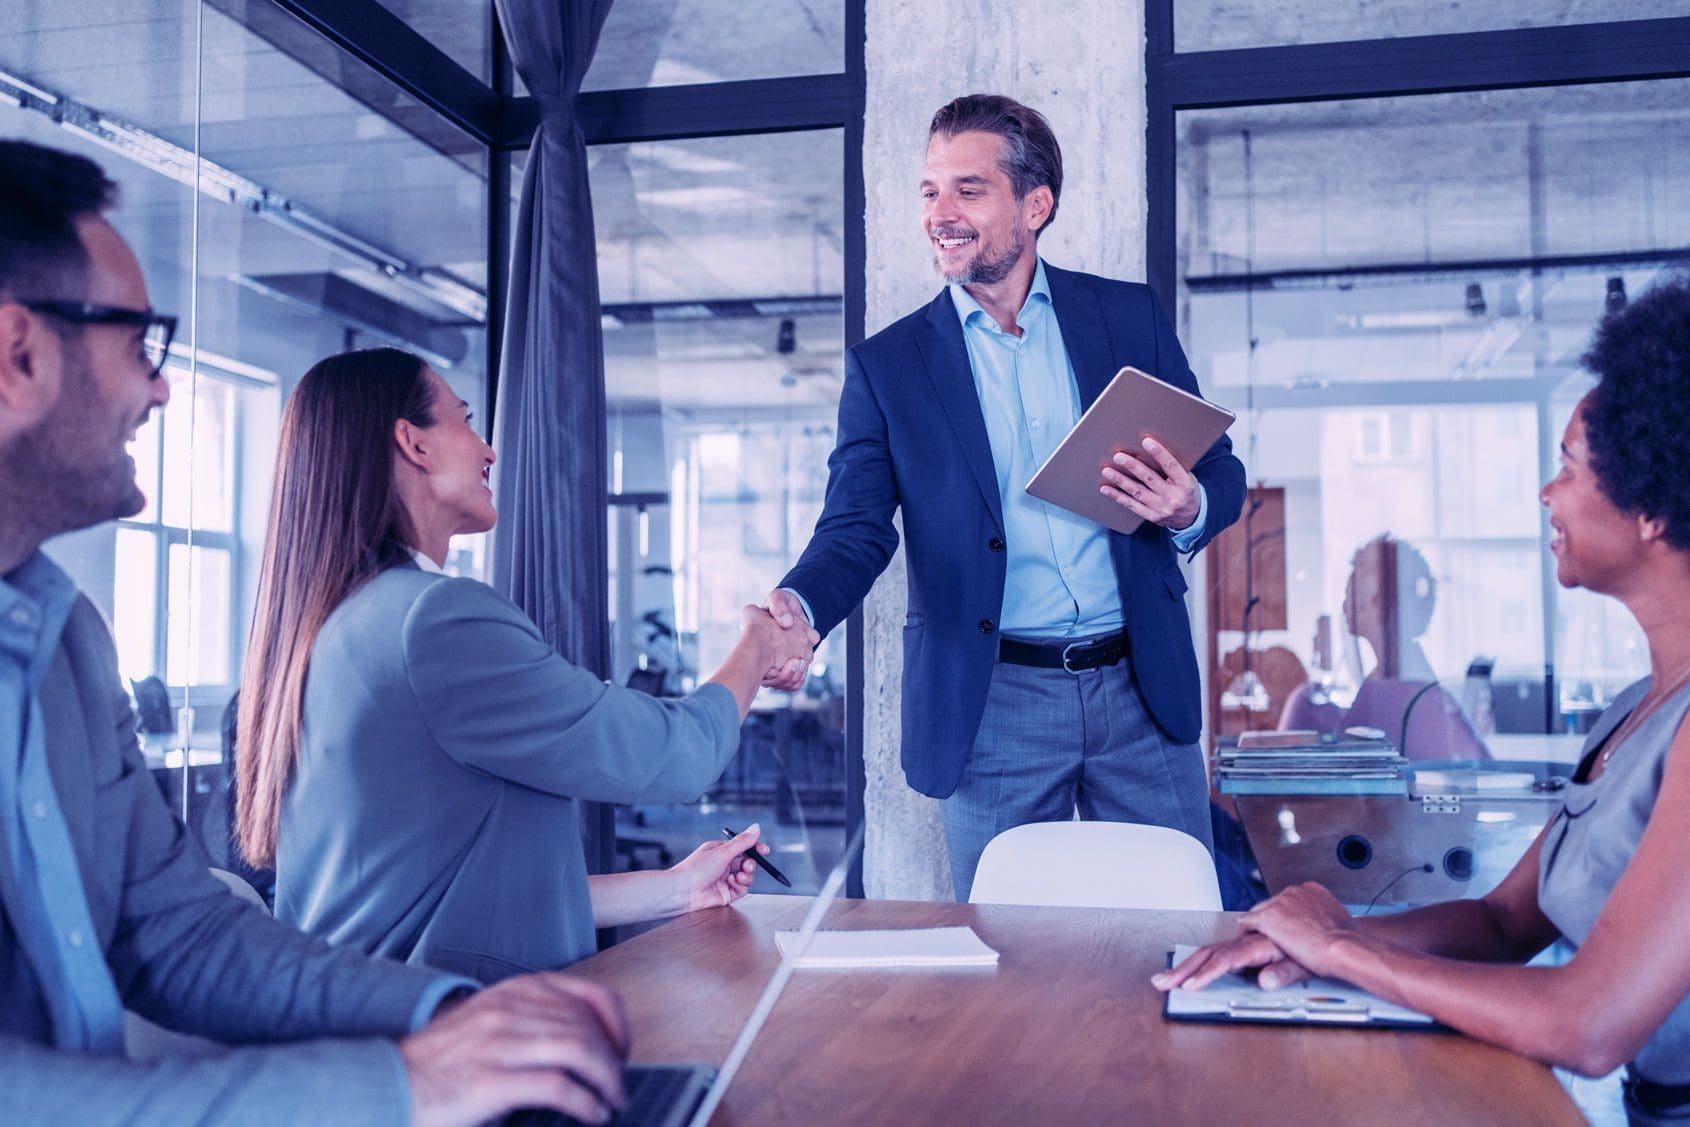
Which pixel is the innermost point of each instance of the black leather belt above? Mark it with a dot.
(1656, 1099)
(1072, 656)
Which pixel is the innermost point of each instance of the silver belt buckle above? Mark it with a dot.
(1068, 649)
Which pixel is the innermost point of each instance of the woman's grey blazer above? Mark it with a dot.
(432, 814)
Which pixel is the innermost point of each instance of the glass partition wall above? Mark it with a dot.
(290, 199)
(721, 268)
(1394, 292)
(282, 219)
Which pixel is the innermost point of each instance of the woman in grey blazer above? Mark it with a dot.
(411, 750)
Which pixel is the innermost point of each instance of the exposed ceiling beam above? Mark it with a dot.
(366, 84)
(763, 105)
(1626, 51)
(381, 40)
(219, 183)
(1401, 273)
(706, 309)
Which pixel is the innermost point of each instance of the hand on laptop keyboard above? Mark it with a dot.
(541, 1041)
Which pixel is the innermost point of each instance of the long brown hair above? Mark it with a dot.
(335, 521)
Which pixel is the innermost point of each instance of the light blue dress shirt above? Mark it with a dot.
(53, 921)
(1060, 580)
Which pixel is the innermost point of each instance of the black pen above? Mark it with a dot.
(758, 857)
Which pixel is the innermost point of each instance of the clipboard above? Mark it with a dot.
(1133, 405)
(1233, 998)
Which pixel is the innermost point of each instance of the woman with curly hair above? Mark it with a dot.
(1608, 872)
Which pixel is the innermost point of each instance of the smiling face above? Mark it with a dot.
(459, 463)
(106, 390)
(1594, 543)
(977, 229)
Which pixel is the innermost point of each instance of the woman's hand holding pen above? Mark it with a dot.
(716, 873)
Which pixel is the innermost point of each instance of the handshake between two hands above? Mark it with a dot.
(783, 633)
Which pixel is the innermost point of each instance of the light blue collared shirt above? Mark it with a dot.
(53, 922)
(1060, 580)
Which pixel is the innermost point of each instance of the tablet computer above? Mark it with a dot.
(1132, 406)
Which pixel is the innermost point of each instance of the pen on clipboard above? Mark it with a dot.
(761, 863)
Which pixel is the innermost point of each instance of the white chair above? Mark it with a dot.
(1097, 865)
(241, 889)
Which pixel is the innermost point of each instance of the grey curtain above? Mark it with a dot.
(550, 546)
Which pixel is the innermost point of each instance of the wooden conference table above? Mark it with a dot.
(1066, 1030)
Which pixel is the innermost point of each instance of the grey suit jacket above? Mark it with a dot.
(186, 954)
(432, 814)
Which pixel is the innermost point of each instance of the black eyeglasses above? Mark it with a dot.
(157, 329)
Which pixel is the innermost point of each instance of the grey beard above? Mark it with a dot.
(986, 271)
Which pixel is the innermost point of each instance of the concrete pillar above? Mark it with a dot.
(1082, 65)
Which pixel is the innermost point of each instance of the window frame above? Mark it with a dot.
(165, 535)
(1175, 81)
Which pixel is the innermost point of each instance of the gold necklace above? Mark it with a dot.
(1639, 715)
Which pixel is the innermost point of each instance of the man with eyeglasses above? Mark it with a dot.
(105, 904)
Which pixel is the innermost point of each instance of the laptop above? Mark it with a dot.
(1132, 406)
(679, 1095)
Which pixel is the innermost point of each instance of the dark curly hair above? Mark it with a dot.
(1638, 417)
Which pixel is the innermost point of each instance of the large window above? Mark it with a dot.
(1395, 294)
(1207, 25)
(721, 270)
(284, 212)
(178, 559)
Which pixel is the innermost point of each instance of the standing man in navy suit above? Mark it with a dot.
(1048, 662)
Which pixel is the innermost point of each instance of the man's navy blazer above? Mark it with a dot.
(912, 436)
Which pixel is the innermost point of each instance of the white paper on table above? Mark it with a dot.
(908, 947)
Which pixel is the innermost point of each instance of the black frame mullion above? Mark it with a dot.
(498, 219)
(856, 328)
(1629, 51)
(1161, 169)
(381, 40)
(670, 113)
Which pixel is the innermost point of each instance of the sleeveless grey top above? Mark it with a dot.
(1587, 848)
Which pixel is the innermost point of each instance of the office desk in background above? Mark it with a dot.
(1067, 1030)
(206, 812)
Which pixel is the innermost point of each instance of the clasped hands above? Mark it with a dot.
(1160, 491)
(785, 637)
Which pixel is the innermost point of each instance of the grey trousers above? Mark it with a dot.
(1051, 742)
